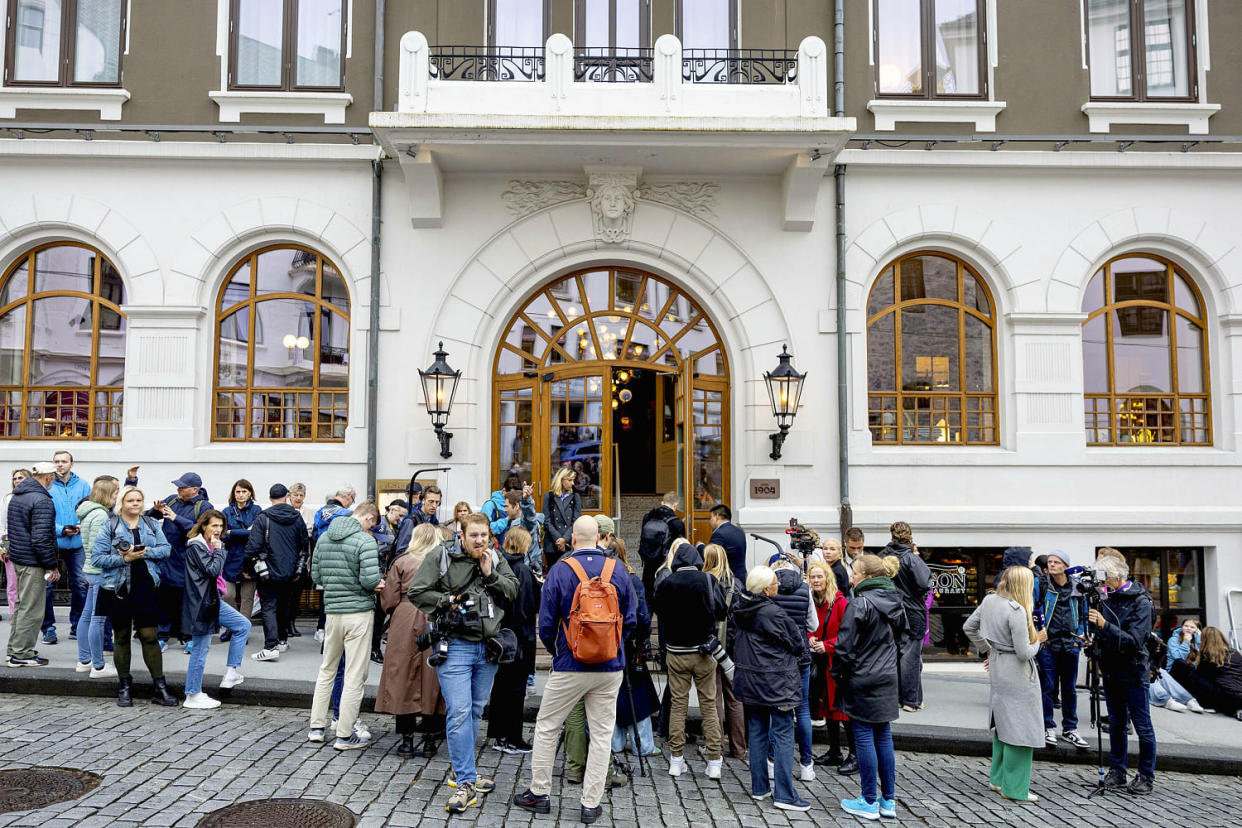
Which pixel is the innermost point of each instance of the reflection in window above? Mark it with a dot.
(90, 29)
(62, 345)
(931, 341)
(288, 44)
(929, 48)
(1144, 356)
(1141, 50)
(290, 383)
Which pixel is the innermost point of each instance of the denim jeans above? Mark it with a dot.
(802, 722)
(873, 746)
(621, 736)
(1058, 671)
(91, 626)
(767, 724)
(466, 684)
(1165, 687)
(1130, 697)
(78, 584)
(338, 687)
(234, 622)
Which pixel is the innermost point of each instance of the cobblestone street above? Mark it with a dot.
(164, 767)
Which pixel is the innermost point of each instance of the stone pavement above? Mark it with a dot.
(169, 767)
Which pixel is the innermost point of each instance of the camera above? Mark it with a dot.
(122, 546)
(434, 637)
(461, 615)
(716, 650)
(260, 569)
(1087, 583)
(801, 539)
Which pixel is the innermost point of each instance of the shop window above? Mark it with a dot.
(282, 349)
(1141, 50)
(1174, 577)
(930, 49)
(64, 42)
(62, 345)
(1145, 359)
(287, 45)
(931, 354)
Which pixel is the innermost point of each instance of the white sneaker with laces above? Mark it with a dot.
(360, 730)
(819, 722)
(83, 667)
(283, 646)
(1075, 739)
(1194, 707)
(1175, 706)
(713, 768)
(201, 701)
(106, 671)
(266, 655)
(808, 773)
(231, 679)
(1050, 736)
(676, 765)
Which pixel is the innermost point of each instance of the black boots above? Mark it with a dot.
(832, 758)
(162, 696)
(124, 696)
(406, 747)
(849, 766)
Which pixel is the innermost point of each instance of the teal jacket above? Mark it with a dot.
(1078, 609)
(346, 566)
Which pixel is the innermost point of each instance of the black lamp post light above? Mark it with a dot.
(784, 389)
(439, 389)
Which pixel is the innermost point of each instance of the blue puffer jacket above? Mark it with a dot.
(557, 601)
(237, 523)
(494, 506)
(32, 526)
(187, 512)
(115, 570)
(67, 496)
(1178, 649)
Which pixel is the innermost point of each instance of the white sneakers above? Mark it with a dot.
(1050, 736)
(1194, 707)
(83, 667)
(201, 701)
(1175, 706)
(676, 765)
(808, 773)
(713, 768)
(231, 679)
(266, 655)
(819, 722)
(106, 671)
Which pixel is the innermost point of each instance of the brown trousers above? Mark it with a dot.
(683, 668)
(732, 716)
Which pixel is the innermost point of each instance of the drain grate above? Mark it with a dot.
(27, 789)
(280, 813)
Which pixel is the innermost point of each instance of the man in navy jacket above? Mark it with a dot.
(731, 537)
(179, 512)
(572, 680)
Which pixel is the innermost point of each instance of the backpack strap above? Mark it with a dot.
(578, 570)
(609, 566)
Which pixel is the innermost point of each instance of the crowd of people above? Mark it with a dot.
(830, 638)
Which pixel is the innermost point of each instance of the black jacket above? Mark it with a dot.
(200, 603)
(1122, 640)
(689, 601)
(521, 614)
(733, 539)
(764, 643)
(865, 663)
(32, 525)
(676, 526)
(405, 529)
(913, 581)
(280, 534)
(637, 688)
(794, 598)
(842, 576)
(558, 522)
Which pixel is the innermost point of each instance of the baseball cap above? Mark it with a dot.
(188, 479)
(43, 468)
(278, 490)
(606, 526)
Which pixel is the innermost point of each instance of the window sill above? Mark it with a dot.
(234, 103)
(889, 111)
(107, 102)
(1102, 115)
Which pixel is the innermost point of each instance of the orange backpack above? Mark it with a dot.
(593, 629)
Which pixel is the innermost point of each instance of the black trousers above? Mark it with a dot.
(170, 611)
(278, 600)
(504, 717)
(377, 629)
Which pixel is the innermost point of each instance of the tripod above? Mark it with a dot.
(1093, 682)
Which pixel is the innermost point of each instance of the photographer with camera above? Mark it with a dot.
(461, 587)
(1064, 617)
(1119, 625)
(690, 604)
(278, 540)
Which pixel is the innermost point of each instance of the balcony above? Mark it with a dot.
(666, 110)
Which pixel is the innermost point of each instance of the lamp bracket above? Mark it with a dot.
(778, 440)
(445, 437)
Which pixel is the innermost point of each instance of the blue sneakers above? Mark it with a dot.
(861, 808)
(888, 807)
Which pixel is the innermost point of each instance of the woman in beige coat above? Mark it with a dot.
(407, 687)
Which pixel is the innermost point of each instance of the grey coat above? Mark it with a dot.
(998, 627)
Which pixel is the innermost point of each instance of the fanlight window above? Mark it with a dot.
(1145, 360)
(931, 354)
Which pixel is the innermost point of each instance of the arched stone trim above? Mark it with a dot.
(25, 223)
(1206, 251)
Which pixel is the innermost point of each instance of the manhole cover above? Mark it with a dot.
(26, 789)
(279, 813)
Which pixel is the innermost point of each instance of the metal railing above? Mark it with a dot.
(482, 63)
(603, 65)
(748, 66)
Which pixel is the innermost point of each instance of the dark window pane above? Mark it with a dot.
(975, 294)
(979, 374)
(1093, 299)
(334, 290)
(881, 355)
(1141, 350)
(1109, 41)
(97, 52)
(928, 277)
(1139, 279)
(1095, 356)
(37, 50)
(929, 349)
(260, 35)
(234, 338)
(899, 45)
(881, 294)
(957, 47)
(17, 283)
(1167, 44)
(238, 288)
(320, 24)
(333, 350)
(1189, 357)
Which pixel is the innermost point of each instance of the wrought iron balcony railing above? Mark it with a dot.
(602, 65)
(739, 65)
(480, 63)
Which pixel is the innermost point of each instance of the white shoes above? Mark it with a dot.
(83, 667)
(819, 722)
(713, 768)
(808, 773)
(1194, 707)
(1175, 706)
(231, 679)
(106, 671)
(676, 765)
(266, 655)
(201, 701)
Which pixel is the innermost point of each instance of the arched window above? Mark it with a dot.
(282, 349)
(1144, 358)
(62, 345)
(931, 354)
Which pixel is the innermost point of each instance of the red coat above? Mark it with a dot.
(830, 616)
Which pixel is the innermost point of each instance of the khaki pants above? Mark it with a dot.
(562, 692)
(701, 669)
(732, 713)
(31, 596)
(240, 596)
(349, 633)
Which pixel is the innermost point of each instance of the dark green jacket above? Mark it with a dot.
(346, 565)
(448, 571)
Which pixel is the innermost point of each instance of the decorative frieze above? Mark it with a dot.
(698, 198)
(525, 197)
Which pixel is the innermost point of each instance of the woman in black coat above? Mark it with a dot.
(637, 699)
(561, 507)
(202, 612)
(765, 645)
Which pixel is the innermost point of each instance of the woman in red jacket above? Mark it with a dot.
(830, 606)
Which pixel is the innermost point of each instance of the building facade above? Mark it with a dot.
(216, 219)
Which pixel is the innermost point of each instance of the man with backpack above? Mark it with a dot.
(659, 528)
(277, 543)
(587, 611)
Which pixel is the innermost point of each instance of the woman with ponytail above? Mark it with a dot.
(866, 669)
(1002, 628)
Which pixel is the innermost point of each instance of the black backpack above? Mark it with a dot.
(654, 539)
(1156, 651)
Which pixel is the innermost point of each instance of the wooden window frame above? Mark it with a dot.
(27, 390)
(255, 396)
(68, 48)
(734, 37)
(644, 25)
(288, 51)
(927, 37)
(1175, 396)
(490, 25)
(963, 396)
(1138, 56)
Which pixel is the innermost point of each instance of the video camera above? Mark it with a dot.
(716, 650)
(1086, 583)
(801, 539)
(460, 616)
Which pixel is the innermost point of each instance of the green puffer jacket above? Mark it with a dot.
(91, 516)
(346, 566)
(449, 571)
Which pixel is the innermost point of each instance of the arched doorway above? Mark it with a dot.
(620, 375)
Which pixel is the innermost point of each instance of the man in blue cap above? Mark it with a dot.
(180, 512)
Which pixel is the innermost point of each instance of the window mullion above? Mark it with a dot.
(23, 395)
(927, 12)
(1138, 51)
(290, 45)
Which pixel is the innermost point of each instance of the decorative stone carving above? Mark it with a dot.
(612, 194)
(525, 197)
(698, 198)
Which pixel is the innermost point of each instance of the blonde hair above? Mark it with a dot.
(759, 579)
(873, 566)
(1215, 648)
(424, 538)
(672, 553)
(716, 562)
(1017, 584)
(830, 582)
(556, 488)
(517, 541)
(618, 549)
(120, 497)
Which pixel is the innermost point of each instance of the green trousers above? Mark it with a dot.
(577, 741)
(31, 595)
(1011, 769)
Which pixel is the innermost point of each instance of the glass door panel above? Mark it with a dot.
(515, 432)
(574, 410)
